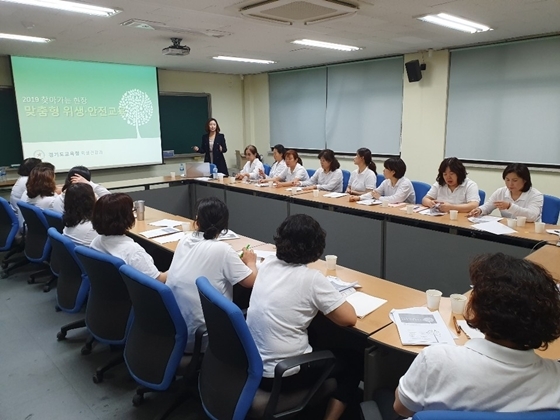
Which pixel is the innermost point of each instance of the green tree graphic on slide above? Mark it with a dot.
(136, 108)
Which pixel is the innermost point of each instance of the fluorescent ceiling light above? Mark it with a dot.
(243, 60)
(69, 6)
(25, 38)
(454, 22)
(321, 44)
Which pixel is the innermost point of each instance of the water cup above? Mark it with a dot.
(384, 203)
(409, 208)
(458, 303)
(315, 193)
(331, 262)
(453, 214)
(433, 297)
(221, 177)
(270, 184)
(172, 174)
(539, 227)
(140, 209)
(521, 221)
(232, 180)
(187, 226)
(512, 223)
(215, 175)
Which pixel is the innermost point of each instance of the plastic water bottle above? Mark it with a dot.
(182, 169)
(215, 172)
(3, 177)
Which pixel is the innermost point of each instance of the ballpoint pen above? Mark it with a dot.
(457, 328)
(244, 249)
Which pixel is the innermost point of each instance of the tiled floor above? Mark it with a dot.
(45, 379)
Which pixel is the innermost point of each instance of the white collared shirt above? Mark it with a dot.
(82, 234)
(43, 202)
(299, 173)
(480, 376)
(465, 193)
(277, 169)
(326, 181)
(17, 191)
(364, 181)
(401, 192)
(252, 168)
(529, 204)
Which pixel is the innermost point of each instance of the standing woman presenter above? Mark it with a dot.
(213, 146)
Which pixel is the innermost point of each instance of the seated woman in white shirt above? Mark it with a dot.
(328, 177)
(396, 188)
(78, 210)
(251, 169)
(286, 297)
(279, 165)
(294, 170)
(112, 217)
(20, 186)
(41, 188)
(77, 174)
(202, 254)
(517, 198)
(525, 317)
(452, 189)
(365, 177)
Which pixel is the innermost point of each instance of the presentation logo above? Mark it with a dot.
(136, 109)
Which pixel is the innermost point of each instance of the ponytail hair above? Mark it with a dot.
(212, 216)
(366, 154)
(253, 150)
(328, 155)
(293, 154)
(280, 149)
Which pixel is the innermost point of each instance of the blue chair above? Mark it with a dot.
(420, 190)
(380, 179)
(9, 227)
(345, 179)
(482, 196)
(54, 219)
(266, 169)
(109, 309)
(310, 172)
(551, 209)
(232, 368)
(73, 283)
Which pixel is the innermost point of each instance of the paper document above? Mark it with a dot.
(554, 231)
(263, 185)
(203, 178)
(228, 235)
(341, 285)
(400, 205)
(170, 238)
(471, 332)
(263, 254)
(296, 189)
(431, 212)
(496, 228)
(334, 195)
(484, 219)
(420, 327)
(159, 232)
(166, 223)
(364, 304)
(371, 202)
(417, 208)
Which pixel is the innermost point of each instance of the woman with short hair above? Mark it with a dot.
(279, 165)
(294, 170)
(328, 177)
(78, 211)
(20, 186)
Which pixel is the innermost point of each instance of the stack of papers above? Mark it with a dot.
(165, 223)
(342, 285)
(372, 202)
(159, 232)
(484, 219)
(420, 327)
(364, 304)
(170, 238)
(334, 195)
(227, 236)
(496, 228)
(296, 189)
(431, 212)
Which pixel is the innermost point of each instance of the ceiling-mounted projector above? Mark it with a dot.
(176, 48)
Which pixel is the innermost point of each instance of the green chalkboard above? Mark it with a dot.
(10, 139)
(182, 119)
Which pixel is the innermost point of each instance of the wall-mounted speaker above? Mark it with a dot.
(414, 70)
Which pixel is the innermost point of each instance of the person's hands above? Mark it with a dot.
(195, 148)
(261, 173)
(502, 205)
(349, 190)
(296, 182)
(429, 202)
(475, 213)
(239, 177)
(444, 207)
(375, 195)
(354, 198)
(78, 179)
(249, 257)
(220, 148)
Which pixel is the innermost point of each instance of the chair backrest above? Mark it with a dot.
(310, 172)
(484, 415)
(420, 189)
(266, 169)
(158, 335)
(9, 225)
(345, 179)
(482, 196)
(551, 209)
(232, 368)
(380, 179)
(37, 244)
(108, 311)
(73, 283)
(54, 219)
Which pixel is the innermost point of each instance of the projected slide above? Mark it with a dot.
(93, 114)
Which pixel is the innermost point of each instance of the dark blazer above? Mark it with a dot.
(219, 159)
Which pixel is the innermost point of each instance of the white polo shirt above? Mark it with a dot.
(82, 234)
(277, 169)
(252, 168)
(17, 191)
(213, 259)
(123, 247)
(463, 194)
(480, 376)
(529, 204)
(401, 192)
(365, 181)
(285, 299)
(43, 202)
(299, 173)
(326, 181)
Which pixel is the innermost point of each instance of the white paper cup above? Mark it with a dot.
(433, 297)
(270, 184)
(384, 203)
(221, 177)
(172, 174)
(458, 303)
(521, 221)
(453, 214)
(232, 180)
(315, 193)
(186, 226)
(539, 227)
(331, 262)
(512, 223)
(409, 208)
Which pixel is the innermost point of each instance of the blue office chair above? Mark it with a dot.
(73, 283)
(551, 209)
(380, 179)
(154, 349)
(345, 179)
(266, 169)
(9, 226)
(232, 368)
(310, 172)
(54, 219)
(420, 190)
(482, 196)
(109, 309)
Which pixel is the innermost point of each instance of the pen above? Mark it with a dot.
(456, 325)
(244, 249)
